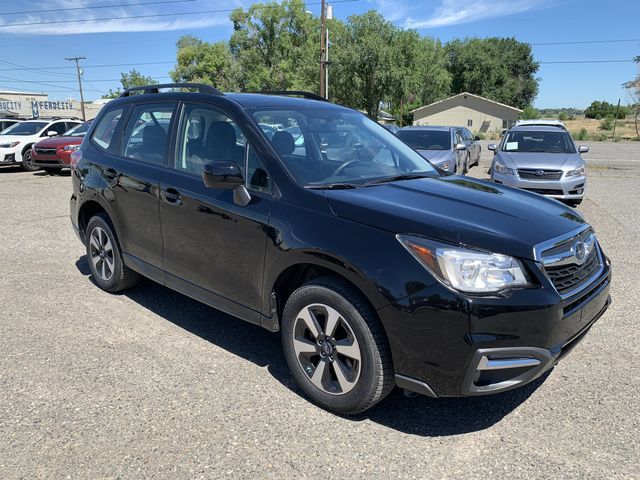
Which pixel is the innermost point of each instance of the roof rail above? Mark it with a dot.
(293, 93)
(201, 87)
(540, 123)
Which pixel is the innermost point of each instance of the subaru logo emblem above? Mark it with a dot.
(539, 173)
(580, 251)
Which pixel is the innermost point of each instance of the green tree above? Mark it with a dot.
(276, 46)
(501, 69)
(529, 113)
(204, 62)
(603, 109)
(133, 78)
(633, 86)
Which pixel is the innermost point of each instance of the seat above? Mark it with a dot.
(221, 143)
(283, 143)
(153, 144)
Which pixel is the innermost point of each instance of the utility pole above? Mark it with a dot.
(323, 48)
(615, 121)
(79, 72)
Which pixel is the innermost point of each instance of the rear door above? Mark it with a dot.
(214, 249)
(133, 176)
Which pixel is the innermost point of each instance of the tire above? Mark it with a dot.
(104, 256)
(356, 347)
(27, 165)
(575, 203)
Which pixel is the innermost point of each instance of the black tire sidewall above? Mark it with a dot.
(27, 164)
(110, 285)
(356, 399)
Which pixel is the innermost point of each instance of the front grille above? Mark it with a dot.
(564, 269)
(539, 174)
(45, 151)
(545, 191)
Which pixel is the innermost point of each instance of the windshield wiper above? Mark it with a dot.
(403, 176)
(333, 186)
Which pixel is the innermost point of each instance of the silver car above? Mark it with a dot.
(541, 159)
(452, 149)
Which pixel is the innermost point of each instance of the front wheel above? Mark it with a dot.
(27, 162)
(335, 346)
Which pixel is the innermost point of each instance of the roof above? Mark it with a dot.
(18, 92)
(262, 100)
(469, 95)
(549, 123)
(537, 128)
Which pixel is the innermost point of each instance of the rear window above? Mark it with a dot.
(426, 139)
(103, 133)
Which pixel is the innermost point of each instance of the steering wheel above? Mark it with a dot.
(344, 166)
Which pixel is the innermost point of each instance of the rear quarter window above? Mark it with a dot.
(103, 134)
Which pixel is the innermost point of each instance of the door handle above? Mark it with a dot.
(171, 196)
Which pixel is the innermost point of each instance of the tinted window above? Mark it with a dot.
(257, 176)
(25, 128)
(540, 142)
(426, 139)
(326, 145)
(208, 136)
(103, 133)
(146, 134)
(59, 128)
(78, 130)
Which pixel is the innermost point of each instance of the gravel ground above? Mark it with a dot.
(151, 384)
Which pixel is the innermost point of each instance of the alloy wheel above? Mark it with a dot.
(101, 253)
(326, 349)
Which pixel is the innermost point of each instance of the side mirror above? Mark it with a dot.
(461, 146)
(492, 146)
(52, 133)
(476, 138)
(583, 149)
(225, 175)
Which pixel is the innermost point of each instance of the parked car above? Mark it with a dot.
(53, 154)
(7, 122)
(377, 269)
(17, 140)
(392, 127)
(473, 146)
(442, 146)
(541, 158)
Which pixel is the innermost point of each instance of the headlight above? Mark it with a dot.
(578, 172)
(9, 145)
(71, 148)
(443, 165)
(466, 270)
(502, 169)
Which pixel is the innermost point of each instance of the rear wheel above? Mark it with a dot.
(104, 256)
(335, 346)
(27, 161)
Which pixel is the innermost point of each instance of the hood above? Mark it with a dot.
(459, 210)
(547, 161)
(55, 142)
(436, 156)
(14, 138)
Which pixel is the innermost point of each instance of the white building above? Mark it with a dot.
(18, 104)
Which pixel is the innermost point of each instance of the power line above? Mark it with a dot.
(590, 61)
(155, 15)
(580, 42)
(92, 7)
(36, 83)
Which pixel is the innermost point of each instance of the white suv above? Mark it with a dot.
(16, 141)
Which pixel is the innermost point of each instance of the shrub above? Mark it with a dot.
(480, 135)
(563, 117)
(581, 135)
(606, 123)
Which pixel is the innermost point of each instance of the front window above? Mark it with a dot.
(538, 142)
(78, 130)
(426, 139)
(334, 147)
(24, 128)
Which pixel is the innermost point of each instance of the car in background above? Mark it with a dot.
(17, 140)
(542, 158)
(7, 122)
(53, 154)
(392, 127)
(442, 146)
(473, 146)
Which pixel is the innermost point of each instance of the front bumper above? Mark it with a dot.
(447, 345)
(567, 188)
(10, 156)
(59, 160)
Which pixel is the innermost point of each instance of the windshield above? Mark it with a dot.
(426, 139)
(539, 142)
(78, 130)
(327, 146)
(24, 128)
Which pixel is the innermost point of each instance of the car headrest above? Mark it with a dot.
(153, 134)
(283, 143)
(221, 133)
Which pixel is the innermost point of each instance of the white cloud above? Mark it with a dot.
(127, 23)
(421, 15)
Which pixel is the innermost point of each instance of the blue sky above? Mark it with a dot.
(148, 43)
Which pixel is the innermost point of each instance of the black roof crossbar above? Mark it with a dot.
(294, 93)
(200, 87)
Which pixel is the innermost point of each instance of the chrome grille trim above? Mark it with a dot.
(531, 174)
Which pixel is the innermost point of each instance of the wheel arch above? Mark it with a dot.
(89, 209)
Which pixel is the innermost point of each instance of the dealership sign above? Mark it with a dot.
(36, 107)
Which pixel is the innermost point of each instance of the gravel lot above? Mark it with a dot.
(151, 384)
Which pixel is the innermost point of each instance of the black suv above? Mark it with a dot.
(306, 217)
